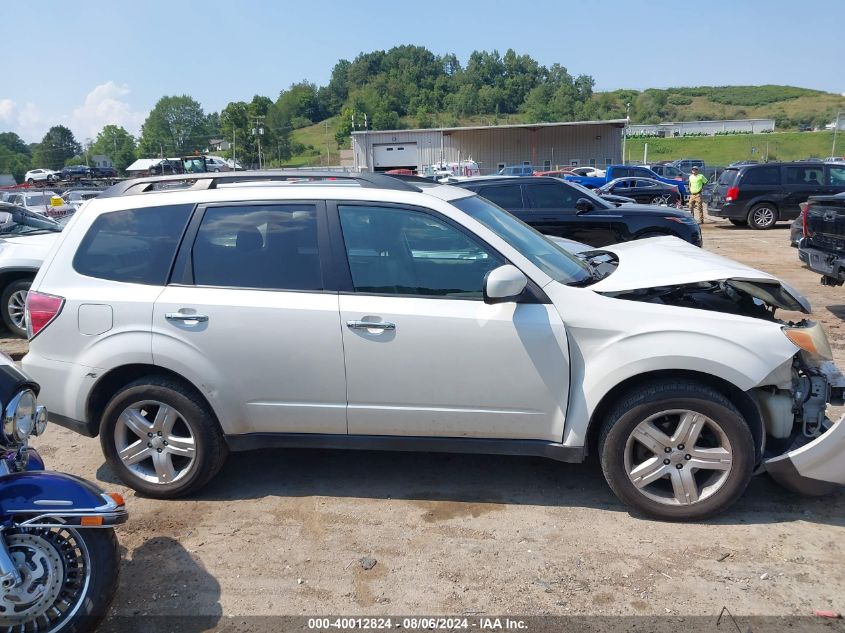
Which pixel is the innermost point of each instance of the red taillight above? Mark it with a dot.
(805, 207)
(733, 194)
(41, 309)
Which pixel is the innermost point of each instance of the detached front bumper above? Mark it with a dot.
(816, 468)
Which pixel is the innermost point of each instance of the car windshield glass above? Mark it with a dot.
(34, 201)
(19, 221)
(539, 250)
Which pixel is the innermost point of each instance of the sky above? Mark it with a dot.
(85, 65)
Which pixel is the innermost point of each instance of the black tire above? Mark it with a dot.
(738, 222)
(209, 444)
(10, 293)
(104, 559)
(30, 181)
(762, 216)
(651, 399)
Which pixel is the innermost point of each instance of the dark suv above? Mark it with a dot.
(559, 208)
(761, 195)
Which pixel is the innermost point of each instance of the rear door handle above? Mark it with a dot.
(180, 316)
(370, 325)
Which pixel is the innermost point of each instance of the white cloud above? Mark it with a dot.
(104, 105)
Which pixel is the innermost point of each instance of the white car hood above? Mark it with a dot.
(670, 261)
(42, 240)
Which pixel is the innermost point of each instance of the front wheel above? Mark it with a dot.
(676, 450)
(69, 578)
(762, 216)
(13, 306)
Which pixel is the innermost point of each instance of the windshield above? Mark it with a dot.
(539, 250)
(35, 201)
(19, 221)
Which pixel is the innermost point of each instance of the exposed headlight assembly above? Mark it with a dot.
(812, 340)
(23, 417)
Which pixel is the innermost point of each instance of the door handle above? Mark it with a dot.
(179, 316)
(370, 325)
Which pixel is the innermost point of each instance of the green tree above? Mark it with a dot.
(15, 156)
(176, 126)
(116, 143)
(55, 148)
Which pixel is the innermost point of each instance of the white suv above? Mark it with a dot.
(362, 311)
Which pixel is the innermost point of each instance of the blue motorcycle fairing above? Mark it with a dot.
(20, 491)
(34, 461)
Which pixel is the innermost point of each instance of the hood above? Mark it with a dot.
(40, 242)
(669, 261)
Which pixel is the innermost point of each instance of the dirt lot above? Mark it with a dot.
(281, 532)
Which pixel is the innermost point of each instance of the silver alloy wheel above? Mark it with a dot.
(763, 216)
(56, 569)
(678, 457)
(17, 308)
(662, 200)
(155, 442)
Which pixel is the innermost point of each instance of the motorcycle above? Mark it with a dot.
(59, 557)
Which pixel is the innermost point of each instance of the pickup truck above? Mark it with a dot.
(613, 172)
(823, 246)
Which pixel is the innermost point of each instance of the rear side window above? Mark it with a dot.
(803, 175)
(133, 246)
(506, 196)
(762, 176)
(270, 247)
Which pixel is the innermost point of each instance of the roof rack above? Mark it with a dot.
(203, 181)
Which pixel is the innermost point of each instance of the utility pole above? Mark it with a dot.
(625, 130)
(234, 158)
(328, 156)
(835, 130)
(258, 131)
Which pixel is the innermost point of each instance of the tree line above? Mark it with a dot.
(404, 86)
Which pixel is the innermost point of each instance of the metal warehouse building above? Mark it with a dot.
(751, 126)
(544, 145)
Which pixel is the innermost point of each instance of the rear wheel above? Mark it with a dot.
(161, 438)
(762, 216)
(676, 450)
(13, 306)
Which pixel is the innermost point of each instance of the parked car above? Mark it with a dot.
(612, 172)
(835, 159)
(215, 163)
(75, 197)
(555, 207)
(822, 247)
(41, 175)
(47, 203)
(75, 172)
(167, 167)
(643, 190)
(607, 197)
(665, 170)
(554, 173)
(588, 171)
(25, 238)
(686, 164)
(420, 318)
(516, 170)
(762, 195)
(103, 172)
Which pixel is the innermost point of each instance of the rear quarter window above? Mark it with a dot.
(728, 177)
(762, 176)
(134, 245)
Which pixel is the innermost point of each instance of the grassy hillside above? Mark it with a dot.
(309, 145)
(721, 150)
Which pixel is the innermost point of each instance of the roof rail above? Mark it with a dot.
(203, 181)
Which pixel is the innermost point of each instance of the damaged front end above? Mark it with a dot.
(804, 449)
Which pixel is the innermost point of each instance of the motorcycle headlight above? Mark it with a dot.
(19, 420)
(40, 419)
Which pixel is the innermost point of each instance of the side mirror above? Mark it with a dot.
(583, 205)
(504, 284)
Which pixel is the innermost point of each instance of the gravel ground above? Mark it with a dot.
(282, 532)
